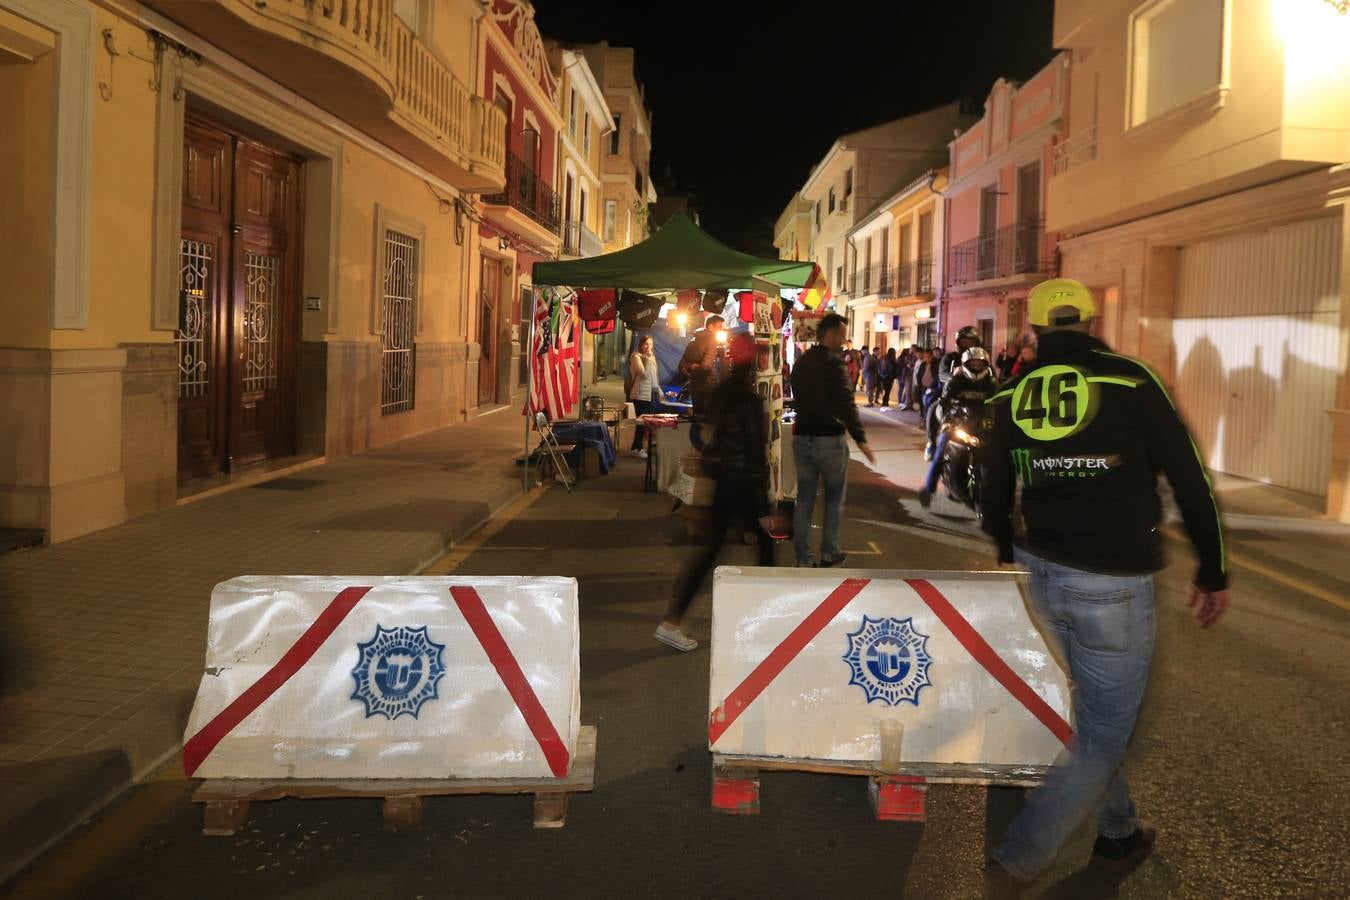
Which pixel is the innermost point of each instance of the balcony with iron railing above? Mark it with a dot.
(1074, 152)
(363, 64)
(914, 280)
(578, 240)
(905, 281)
(529, 193)
(1016, 252)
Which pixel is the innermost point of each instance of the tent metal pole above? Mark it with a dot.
(529, 390)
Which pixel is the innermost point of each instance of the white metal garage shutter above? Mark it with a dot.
(1257, 334)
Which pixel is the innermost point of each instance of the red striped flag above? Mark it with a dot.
(554, 381)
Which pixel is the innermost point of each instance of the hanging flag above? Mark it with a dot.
(816, 290)
(554, 382)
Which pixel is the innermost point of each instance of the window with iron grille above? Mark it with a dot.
(398, 316)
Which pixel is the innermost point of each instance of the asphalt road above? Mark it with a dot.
(1241, 756)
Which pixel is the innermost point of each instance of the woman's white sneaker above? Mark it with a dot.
(674, 637)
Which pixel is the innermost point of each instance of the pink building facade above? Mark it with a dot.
(996, 245)
(521, 223)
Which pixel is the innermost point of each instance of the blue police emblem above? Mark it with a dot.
(397, 671)
(889, 660)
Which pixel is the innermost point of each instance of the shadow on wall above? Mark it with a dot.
(1203, 375)
(1249, 414)
(1258, 412)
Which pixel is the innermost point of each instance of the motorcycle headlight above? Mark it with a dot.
(966, 437)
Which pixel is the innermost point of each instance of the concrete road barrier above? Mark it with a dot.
(351, 677)
(934, 673)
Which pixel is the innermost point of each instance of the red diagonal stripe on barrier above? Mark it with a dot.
(985, 655)
(517, 685)
(777, 660)
(200, 745)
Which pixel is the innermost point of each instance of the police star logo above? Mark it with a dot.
(397, 671)
(889, 660)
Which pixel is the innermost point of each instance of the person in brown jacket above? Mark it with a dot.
(701, 363)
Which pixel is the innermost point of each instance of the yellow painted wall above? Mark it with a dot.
(27, 94)
(122, 192)
(1316, 80)
(366, 182)
(1167, 161)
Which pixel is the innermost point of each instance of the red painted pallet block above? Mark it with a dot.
(735, 785)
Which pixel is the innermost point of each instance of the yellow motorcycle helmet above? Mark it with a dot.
(1060, 301)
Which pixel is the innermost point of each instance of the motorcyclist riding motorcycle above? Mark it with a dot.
(967, 338)
(966, 391)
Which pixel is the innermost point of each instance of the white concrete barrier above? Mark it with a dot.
(352, 677)
(819, 665)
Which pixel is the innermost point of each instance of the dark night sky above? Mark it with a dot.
(743, 107)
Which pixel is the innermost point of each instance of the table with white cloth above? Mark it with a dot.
(668, 443)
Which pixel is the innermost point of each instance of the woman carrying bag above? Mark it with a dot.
(643, 388)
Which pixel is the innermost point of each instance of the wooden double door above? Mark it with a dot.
(239, 301)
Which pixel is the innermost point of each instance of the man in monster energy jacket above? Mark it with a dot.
(1086, 433)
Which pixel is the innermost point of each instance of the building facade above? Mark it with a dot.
(521, 224)
(997, 246)
(256, 235)
(903, 238)
(586, 125)
(1204, 193)
(627, 192)
(860, 170)
(792, 231)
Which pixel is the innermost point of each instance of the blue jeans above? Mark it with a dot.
(935, 467)
(819, 457)
(1101, 627)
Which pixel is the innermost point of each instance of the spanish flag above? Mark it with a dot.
(816, 291)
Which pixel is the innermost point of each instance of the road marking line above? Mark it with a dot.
(448, 562)
(1289, 581)
(875, 551)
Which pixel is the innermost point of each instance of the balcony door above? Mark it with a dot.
(1028, 217)
(489, 304)
(923, 284)
(238, 321)
(988, 249)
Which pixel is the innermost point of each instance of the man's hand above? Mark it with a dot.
(867, 452)
(1208, 605)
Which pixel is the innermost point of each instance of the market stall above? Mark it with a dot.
(684, 265)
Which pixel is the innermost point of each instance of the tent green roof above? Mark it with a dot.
(680, 256)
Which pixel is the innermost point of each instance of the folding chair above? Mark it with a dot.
(553, 451)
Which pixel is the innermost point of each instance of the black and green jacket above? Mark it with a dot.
(1086, 432)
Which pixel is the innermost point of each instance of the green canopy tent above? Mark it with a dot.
(680, 256)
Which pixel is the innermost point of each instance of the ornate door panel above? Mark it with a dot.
(489, 304)
(204, 259)
(266, 303)
(239, 306)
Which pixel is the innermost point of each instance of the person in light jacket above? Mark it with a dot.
(644, 388)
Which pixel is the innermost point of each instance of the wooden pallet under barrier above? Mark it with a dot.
(227, 799)
(894, 797)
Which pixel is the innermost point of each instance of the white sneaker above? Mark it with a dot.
(674, 637)
(641, 454)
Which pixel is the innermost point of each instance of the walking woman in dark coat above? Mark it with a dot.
(737, 457)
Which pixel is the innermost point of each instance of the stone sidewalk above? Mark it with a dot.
(103, 637)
